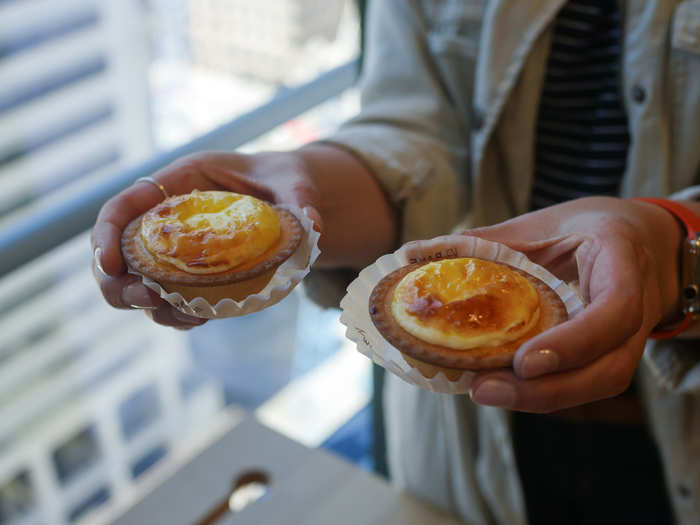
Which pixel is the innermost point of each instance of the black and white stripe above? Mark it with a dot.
(582, 134)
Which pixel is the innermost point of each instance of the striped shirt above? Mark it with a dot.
(582, 136)
(581, 144)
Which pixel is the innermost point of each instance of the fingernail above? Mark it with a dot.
(186, 318)
(496, 393)
(97, 255)
(315, 217)
(136, 295)
(538, 362)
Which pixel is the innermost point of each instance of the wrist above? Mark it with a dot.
(360, 223)
(314, 159)
(680, 296)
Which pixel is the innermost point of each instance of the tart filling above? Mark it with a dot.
(465, 303)
(207, 232)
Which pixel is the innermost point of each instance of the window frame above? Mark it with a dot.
(51, 222)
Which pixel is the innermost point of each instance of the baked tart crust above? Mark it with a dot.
(431, 358)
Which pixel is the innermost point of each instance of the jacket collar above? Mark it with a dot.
(503, 48)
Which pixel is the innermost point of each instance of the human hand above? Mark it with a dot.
(625, 256)
(274, 177)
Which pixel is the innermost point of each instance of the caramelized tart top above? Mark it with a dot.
(465, 303)
(207, 232)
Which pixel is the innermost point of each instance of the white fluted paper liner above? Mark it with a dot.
(361, 330)
(286, 277)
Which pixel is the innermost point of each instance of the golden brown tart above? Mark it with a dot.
(211, 244)
(462, 314)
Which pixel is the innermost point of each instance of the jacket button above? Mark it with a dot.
(639, 94)
(477, 119)
(684, 491)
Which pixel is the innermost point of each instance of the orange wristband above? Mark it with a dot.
(691, 222)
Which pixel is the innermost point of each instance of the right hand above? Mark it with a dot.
(281, 178)
(624, 254)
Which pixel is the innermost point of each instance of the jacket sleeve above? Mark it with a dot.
(675, 363)
(409, 132)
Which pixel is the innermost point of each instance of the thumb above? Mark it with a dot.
(523, 231)
(556, 254)
(303, 194)
(518, 235)
(315, 216)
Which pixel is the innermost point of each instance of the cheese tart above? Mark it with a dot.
(211, 244)
(462, 314)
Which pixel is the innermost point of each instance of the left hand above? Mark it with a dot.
(275, 177)
(625, 256)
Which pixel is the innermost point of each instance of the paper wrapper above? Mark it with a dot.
(286, 277)
(361, 330)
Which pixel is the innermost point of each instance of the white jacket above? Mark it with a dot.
(450, 93)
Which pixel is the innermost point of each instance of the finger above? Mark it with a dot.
(546, 223)
(226, 171)
(524, 229)
(299, 192)
(606, 377)
(114, 216)
(179, 177)
(554, 253)
(432, 249)
(210, 170)
(126, 291)
(611, 273)
(315, 217)
(167, 315)
(112, 287)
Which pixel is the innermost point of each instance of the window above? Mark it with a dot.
(96, 93)
(78, 453)
(16, 498)
(139, 410)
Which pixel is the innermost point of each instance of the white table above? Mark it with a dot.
(307, 487)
